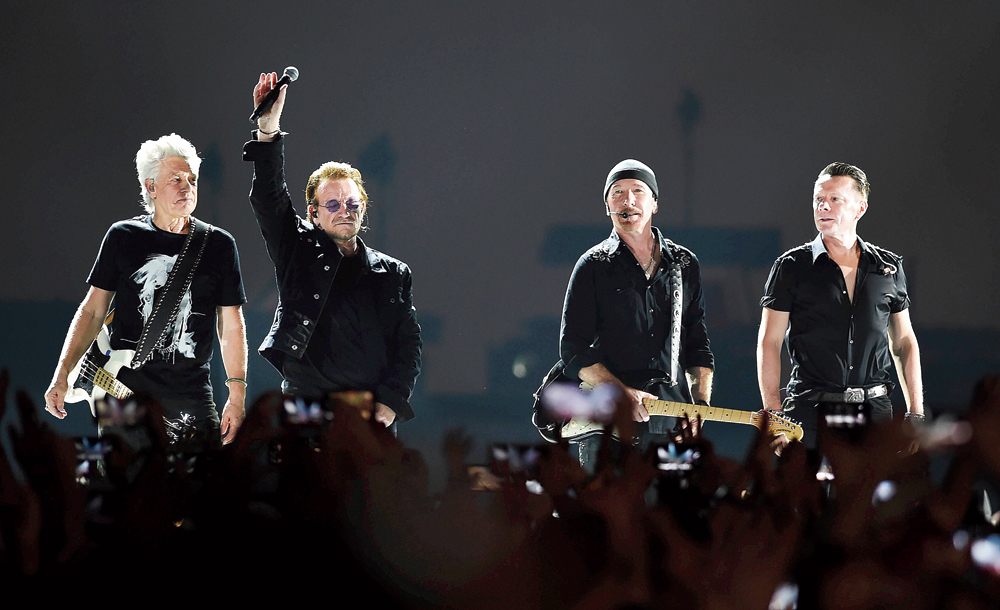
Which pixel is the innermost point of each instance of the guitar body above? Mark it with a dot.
(578, 429)
(96, 374)
(575, 430)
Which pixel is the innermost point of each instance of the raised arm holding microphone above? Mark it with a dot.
(345, 318)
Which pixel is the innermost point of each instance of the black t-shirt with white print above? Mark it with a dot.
(134, 262)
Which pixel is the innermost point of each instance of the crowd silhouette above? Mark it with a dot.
(335, 506)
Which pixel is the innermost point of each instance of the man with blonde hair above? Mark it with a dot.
(133, 268)
(345, 318)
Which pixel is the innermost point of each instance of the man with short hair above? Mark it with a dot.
(634, 314)
(345, 318)
(842, 307)
(132, 268)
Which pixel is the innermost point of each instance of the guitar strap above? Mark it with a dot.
(547, 427)
(166, 305)
(676, 310)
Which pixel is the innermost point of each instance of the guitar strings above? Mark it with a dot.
(89, 372)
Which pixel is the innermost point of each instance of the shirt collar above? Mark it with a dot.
(369, 258)
(818, 247)
(616, 242)
(368, 254)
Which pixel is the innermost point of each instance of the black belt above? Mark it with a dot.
(851, 395)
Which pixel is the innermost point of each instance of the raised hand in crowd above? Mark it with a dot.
(48, 462)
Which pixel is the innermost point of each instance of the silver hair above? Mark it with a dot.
(153, 152)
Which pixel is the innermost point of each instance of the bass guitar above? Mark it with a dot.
(96, 374)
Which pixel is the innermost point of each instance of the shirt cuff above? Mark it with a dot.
(255, 150)
(702, 359)
(395, 401)
(580, 361)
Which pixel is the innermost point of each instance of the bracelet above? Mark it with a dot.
(267, 133)
(911, 415)
(243, 381)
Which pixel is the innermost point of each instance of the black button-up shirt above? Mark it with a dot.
(835, 343)
(615, 316)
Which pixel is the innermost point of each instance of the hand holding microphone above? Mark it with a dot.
(268, 94)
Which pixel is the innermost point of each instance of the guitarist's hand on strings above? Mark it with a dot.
(596, 374)
(636, 397)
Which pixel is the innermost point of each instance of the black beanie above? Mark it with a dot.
(630, 168)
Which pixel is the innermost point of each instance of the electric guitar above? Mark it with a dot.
(579, 429)
(96, 374)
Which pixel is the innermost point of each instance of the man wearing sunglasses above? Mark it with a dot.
(345, 318)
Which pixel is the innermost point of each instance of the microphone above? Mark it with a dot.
(623, 215)
(291, 73)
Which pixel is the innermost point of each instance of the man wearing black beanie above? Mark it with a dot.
(634, 314)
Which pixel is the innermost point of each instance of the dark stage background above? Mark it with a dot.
(485, 132)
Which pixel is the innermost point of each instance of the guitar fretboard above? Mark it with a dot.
(112, 386)
(678, 409)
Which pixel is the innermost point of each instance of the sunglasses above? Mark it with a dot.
(352, 205)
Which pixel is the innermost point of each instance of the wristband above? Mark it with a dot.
(243, 381)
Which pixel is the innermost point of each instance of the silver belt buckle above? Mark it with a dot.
(877, 391)
(854, 395)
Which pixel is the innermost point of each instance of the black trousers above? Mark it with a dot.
(648, 433)
(808, 413)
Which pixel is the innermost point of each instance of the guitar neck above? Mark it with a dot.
(109, 384)
(679, 409)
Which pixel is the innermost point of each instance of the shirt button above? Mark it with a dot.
(850, 368)
(650, 311)
(305, 322)
(327, 268)
(392, 300)
(316, 296)
(851, 341)
(295, 347)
